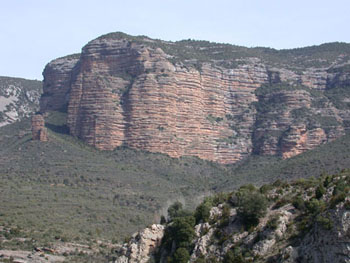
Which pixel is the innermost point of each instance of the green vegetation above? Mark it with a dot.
(26, 84)
(313, 212)
(232, 257)
(339, 96)
(66, 187)
(181, 255)
(25, 94)
(202, 212)
(66, 190)
(212, 119)
(252, 206)
(86, 193)
(179, 234)
(195, 52)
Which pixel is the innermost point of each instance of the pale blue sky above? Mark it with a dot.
(33, 32)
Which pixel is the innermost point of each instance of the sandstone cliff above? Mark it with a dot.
(218, 102)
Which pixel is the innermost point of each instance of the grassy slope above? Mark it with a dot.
(328, 158)
(64, 184)
(65, 188)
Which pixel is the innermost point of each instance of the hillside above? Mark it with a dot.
(19, 98)
(136, 124)
(218, 102)
(304, 220)
(300, 221)
(65, 188)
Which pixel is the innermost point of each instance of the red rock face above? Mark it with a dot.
(121, 92)
(39, 132)
(57, 79)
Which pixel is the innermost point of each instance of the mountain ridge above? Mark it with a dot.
(19, 98)
(199, 98)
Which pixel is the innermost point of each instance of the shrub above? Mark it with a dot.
(176, 210)
(327, 181)
(252, 206)
(181, 255)
(307, 183)
(220, 198)
(273, 222)
(265, 188)
(320, 191)
(337, 199)
(280, 183)
(315, 206)
(162, 220)
(221, 236)
(231, 257)
(202, 212)
(182, 231)
(200, 259)
(325, 222)
(225, 216)
(299, 203)
(247, 187)
(340, 187)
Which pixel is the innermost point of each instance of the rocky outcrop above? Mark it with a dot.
(39, 132)
(57, 79)
(299, 140)
(323, 245)
(139, 92)
(142, 245)
(298, 225)
(19, 99)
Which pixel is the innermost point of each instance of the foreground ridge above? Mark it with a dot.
(302, 221)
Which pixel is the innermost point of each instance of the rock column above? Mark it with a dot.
(39, 132)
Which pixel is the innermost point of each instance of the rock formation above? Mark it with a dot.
(141, 246)
(298, 225)
(164, 97)
(39, 132)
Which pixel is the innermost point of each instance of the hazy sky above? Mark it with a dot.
(33, 32)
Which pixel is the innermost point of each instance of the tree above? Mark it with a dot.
(181, 255)
(182, 231)
(251, 207)
(202, 212)
(320, 191)
(232, 257)
(176, 210)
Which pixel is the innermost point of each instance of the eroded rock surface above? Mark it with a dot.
(140, 248)
(39, 132)
(323, 245)
(138, 92)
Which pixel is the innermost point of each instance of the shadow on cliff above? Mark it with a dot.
(63, 129)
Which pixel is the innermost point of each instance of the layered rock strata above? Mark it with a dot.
(39, 132)
(125, 92)
(57, 79)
